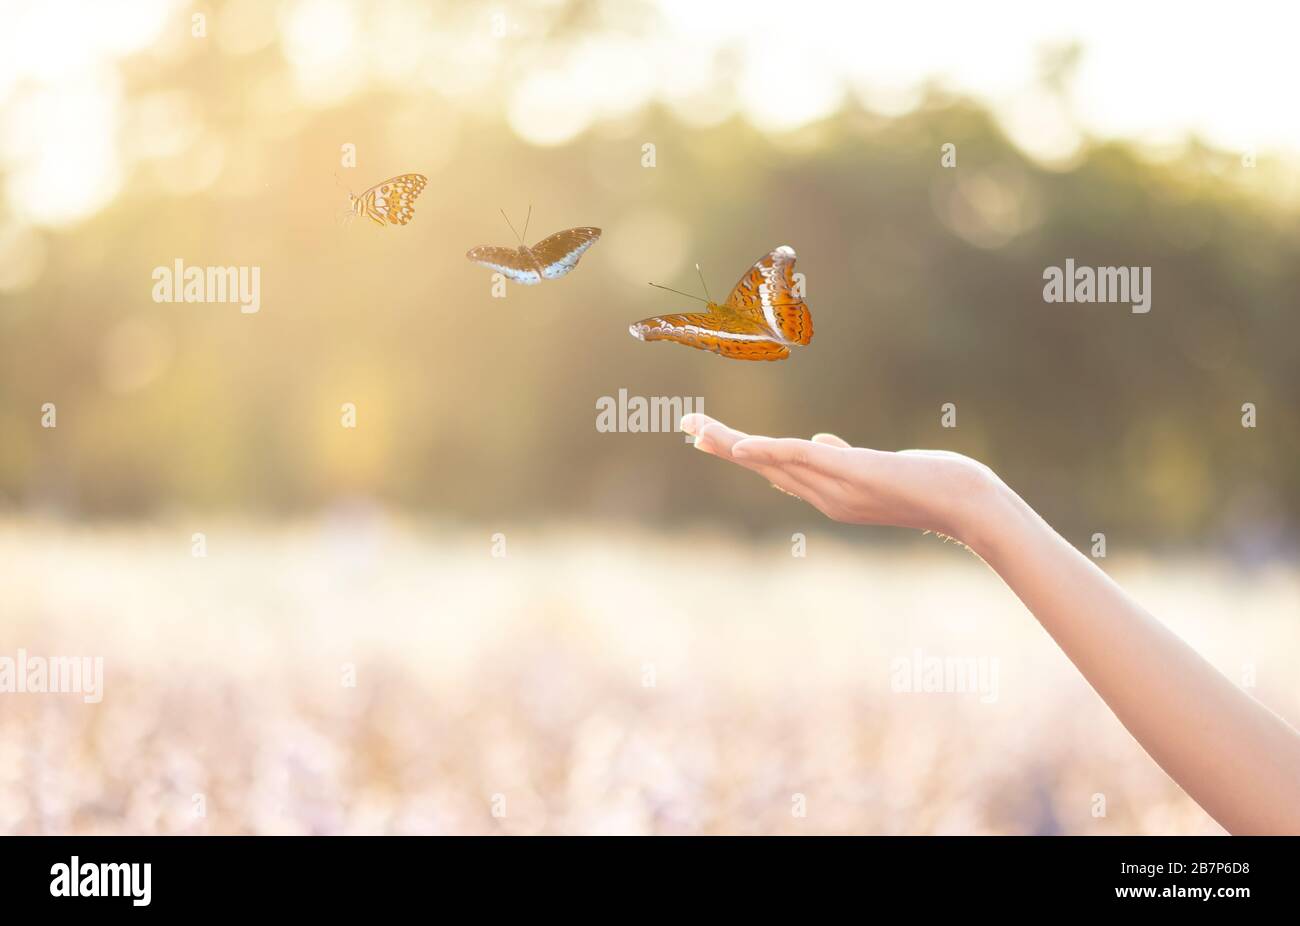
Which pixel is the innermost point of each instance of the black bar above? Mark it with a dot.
(330, 876)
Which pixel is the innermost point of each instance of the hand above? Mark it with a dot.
(931, 490)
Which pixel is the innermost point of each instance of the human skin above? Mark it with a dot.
(1235, 757)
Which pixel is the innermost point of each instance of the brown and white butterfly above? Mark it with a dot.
(761, 319)
(548, 259)
(391, 202)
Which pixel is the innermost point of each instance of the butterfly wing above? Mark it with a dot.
(559, 253)
(722, 332)
(766, 296)
(393, 201)
(509, 261)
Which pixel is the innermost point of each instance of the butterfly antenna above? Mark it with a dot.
(702, 283)
(526, 221)
(679, 292)
(512, 226)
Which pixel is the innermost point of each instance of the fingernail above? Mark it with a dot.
(702, 443)
(688, 424)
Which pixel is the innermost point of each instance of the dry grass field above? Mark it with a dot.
(357, 675)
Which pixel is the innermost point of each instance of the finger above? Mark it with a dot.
(793, 482)
(694, 422)
(830, 440)
(718, 439)
(799, 481)
(786, 451)
(945, 454)
(711, 435)
(816, 488)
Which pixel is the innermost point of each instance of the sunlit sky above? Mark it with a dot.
(1152, 73)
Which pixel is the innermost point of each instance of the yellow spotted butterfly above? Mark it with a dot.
(391, 202)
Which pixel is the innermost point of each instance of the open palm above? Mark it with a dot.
(924, 489)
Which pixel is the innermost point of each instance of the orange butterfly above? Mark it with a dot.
(391, 202)
(759, 321)
(550, 258)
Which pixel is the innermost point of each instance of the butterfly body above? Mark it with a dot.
(761, 319)
(391, 202)
(549, 259)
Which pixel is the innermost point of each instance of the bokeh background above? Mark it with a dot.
(648, 656)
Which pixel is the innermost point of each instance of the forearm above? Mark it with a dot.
(1237, 759)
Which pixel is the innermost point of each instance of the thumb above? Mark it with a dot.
(830, 439)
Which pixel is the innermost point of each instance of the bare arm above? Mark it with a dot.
(1236, 758)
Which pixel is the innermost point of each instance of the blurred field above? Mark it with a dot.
(525, 678)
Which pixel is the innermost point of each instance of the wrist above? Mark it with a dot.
(992, 509)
